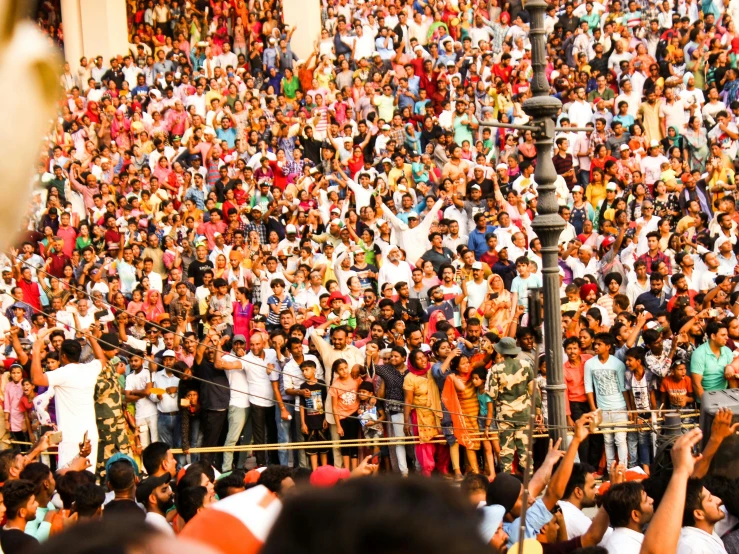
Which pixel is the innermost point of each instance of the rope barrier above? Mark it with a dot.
(323, 384)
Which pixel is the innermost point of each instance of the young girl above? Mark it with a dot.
(485, 418)
(14, 415)
(346, 403)
(29, 413)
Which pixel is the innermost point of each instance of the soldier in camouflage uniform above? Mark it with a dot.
(510, 385)
(111, 423)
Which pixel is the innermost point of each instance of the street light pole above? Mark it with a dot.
(548, 225)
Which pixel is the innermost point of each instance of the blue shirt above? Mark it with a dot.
(537, 516)
(229, 135)
(607, 381)
(522, 286)
(477, 242)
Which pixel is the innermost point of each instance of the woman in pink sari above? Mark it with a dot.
(162, 170)
(120, 130)
(153, 307)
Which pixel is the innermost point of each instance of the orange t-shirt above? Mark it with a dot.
(345, 399)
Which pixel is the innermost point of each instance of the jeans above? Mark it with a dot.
(237, 419)
(618, 438)
(196, 439)
(264, 427)
(169, 429)
(583, 178)
(396, 428)
(289, 431)
(640, 448)
(148, 430)
(590, 449)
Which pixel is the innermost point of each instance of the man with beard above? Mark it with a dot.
(505, 267)
(579, 493)
(394, 270)
(629, 509)
(681, 289)
(701, 514)
(447, 297)
(406, 308)
(157, 497)
(655, 300)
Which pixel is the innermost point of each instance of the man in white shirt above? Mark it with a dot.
(74, 387)
(155, 494)
(629, 509)
(238, 404)
(137, 389)
(227, 58)
(702, 512)
(579, 494)
(259, 365)
(580, 112)
(394, 270)
(167, 405)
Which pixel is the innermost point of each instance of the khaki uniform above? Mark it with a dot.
(111, 423)
(508, 386)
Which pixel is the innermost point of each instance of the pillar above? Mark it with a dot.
(72, 32)
(547, 224)
(306, 16)
(104, 28)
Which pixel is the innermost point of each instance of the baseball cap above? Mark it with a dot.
(577, 188)
(290, 229)
(475, 187)
(607, 242)
(148, 485)
(168, 354)
(336, 295)
(118, 456)
(611, 186)
(239, 338)
(387, 161)
(501, 166)
(477, 265)
(624, 147)
(654, 143)
(386, 127)
(328, 476)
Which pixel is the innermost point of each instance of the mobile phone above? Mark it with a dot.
(494, 295)
(376, 458)
(735, 279)
(100, 314)
(55, 437)
(84, 438)
(148, 349)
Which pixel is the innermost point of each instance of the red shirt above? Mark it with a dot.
(503, 72)
(575, 379)
(31, 294)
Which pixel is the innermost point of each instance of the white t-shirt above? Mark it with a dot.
(238, 383)
(144, 406)
(74, 386)
(260, 384)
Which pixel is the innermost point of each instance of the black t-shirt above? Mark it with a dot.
(562, 547)
(197, 269)
(314, 406)
(486, 187)
(15, 540)
(212, 396)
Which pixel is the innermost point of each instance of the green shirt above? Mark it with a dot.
(704, 362)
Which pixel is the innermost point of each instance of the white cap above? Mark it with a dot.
(168, 354)
(290, 229)
(387, 161)
(625, 147)
(379, 223)
(417, 48)
(401, 188)
(477, 265)
(216, 234)
(336, 211)
(386, 127)
(501, 166)
(654, 143)
(475, 187)
(577, 188)
(611, 186)
(272, 40)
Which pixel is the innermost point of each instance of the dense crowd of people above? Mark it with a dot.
(292, 270)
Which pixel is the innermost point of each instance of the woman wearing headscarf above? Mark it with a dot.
(424, 420)
(673, 139)
(153, 307)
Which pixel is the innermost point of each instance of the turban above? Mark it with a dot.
(587, 289)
